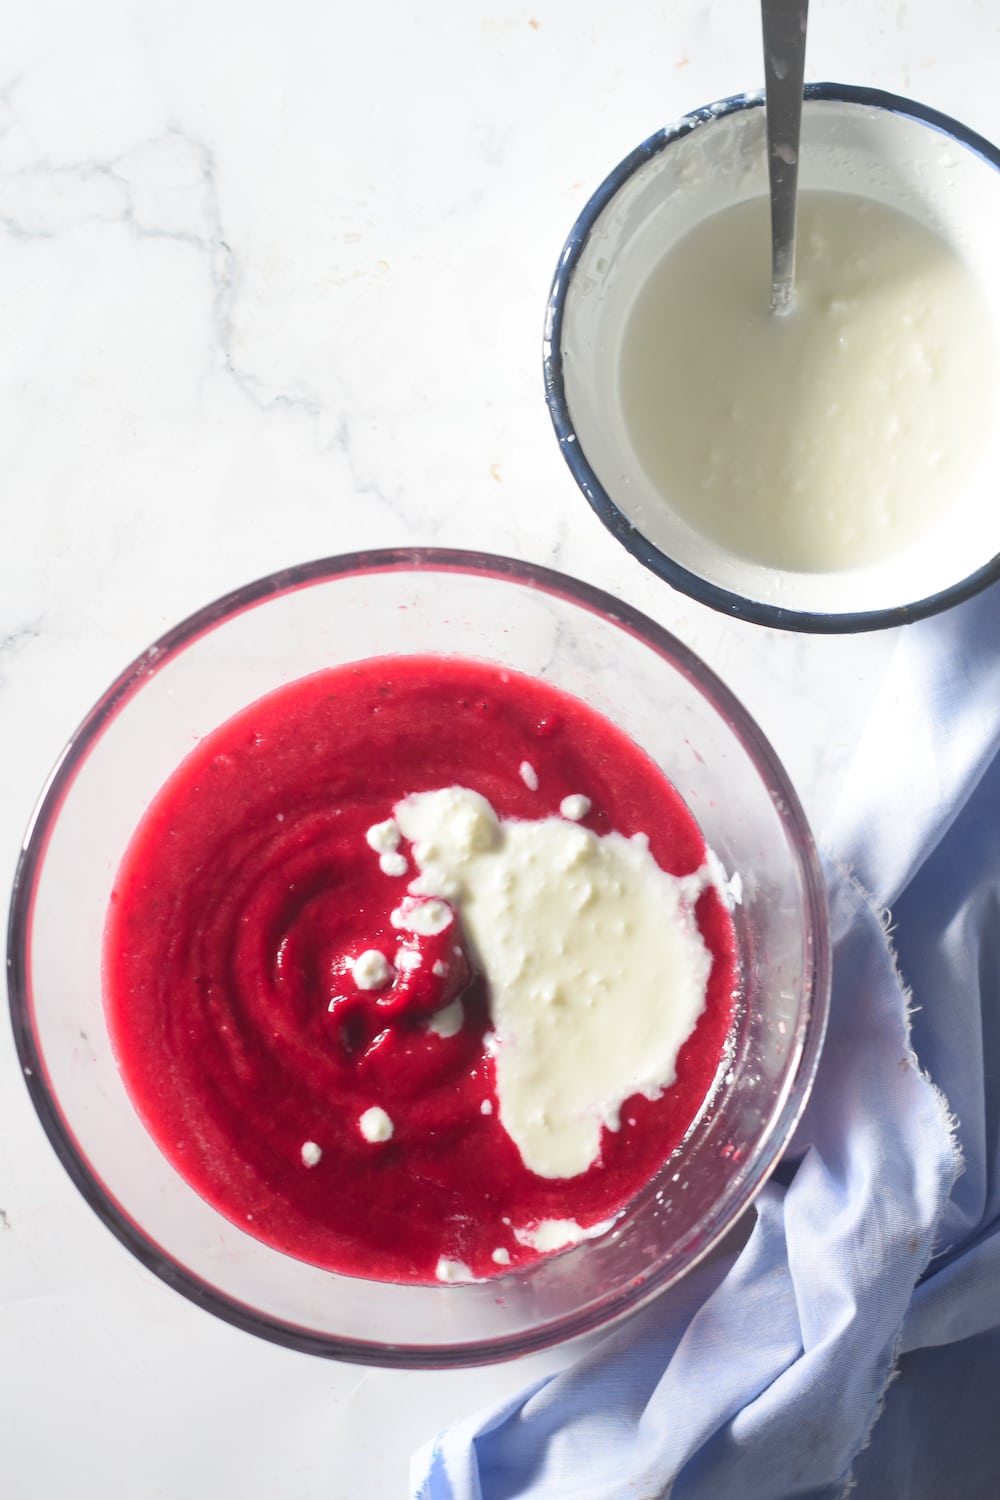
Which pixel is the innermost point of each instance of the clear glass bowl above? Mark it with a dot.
(854, 140)
(345, 609)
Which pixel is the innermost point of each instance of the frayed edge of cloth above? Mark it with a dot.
(883, 915)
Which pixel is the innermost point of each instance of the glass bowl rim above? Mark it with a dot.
(811, 1030)
(652, 557)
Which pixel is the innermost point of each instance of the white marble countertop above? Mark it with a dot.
(271, 287)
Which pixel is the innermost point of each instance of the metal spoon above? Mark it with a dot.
(784, 27)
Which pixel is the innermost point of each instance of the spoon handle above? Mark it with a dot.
(784, 28)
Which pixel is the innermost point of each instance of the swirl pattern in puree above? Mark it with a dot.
(250, 890)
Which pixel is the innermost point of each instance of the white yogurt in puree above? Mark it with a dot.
(596, 968)
(829, 438)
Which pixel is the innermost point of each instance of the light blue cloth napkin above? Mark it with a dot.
(855, 1341)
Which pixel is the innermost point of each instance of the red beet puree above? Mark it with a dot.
(245, 897)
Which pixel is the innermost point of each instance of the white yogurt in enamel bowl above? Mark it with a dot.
(838, 472)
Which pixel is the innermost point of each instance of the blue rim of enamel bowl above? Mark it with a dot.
(643, 550)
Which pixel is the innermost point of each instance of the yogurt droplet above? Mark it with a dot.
(452, 1270)
(383, 837)
(375, 1125)
(371, 970)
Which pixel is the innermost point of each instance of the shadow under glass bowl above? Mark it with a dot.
(401, 602)
(854, 140)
